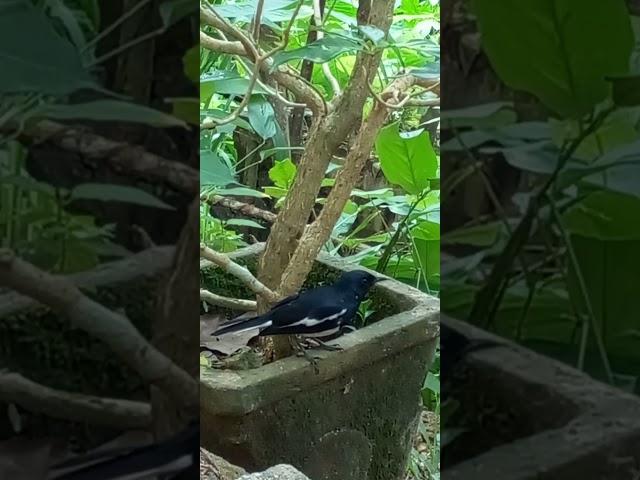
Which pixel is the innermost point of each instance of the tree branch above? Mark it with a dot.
(283, 75)
(241, 207)
(148, 263)
(325, 137)
(121, 156)
(238, 271)
(118, 414)
(110, 327)
(226, 302)
(317, 234)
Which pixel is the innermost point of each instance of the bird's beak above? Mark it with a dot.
(380, 279)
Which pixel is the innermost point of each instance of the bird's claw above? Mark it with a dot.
(324, 346)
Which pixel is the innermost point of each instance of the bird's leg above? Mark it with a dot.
(295, 343)
(323, 346)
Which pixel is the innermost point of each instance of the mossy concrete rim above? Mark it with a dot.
(238, 393)
(598, 418)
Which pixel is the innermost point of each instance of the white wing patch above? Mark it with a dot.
(262, 326)
(312, 322)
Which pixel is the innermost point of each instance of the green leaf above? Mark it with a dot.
(242, 222)
(426, 249)
(234, 85)
(191, 64)
(213, 171)
(91, 9)
(34, 57)
(112, 110)
(186, 109)
(117, 193)
(283, 173)
(371, 33)
(486, 115)
(478, 235)
(172, 11)
(29, 184)
(240, 192)
(605, 216)
(275, 192)
(626, 90)
(320, 51)
(262, 117)
(407, 160)
(432, 383)
(70, 19)
(548, 48)
(273, 13)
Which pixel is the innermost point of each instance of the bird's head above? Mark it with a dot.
(358, 281)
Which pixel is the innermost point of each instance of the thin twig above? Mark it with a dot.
(226, 302)
(257, 22)
(238, 271)
(146, 264)
(584, 293)
(115, 413)
(113, 328)
(242, 207)
(284, 76)
(258, 60)
(121, 156)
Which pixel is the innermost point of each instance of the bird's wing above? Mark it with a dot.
(244, 322)
(286, 300)
(320, 320)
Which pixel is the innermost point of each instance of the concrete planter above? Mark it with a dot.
(353, 420)
(535, 418)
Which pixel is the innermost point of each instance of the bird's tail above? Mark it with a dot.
(243, 325)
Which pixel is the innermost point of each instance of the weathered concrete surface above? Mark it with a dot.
(560, 423)
(353, 421)
(213, 467)
(279, 472)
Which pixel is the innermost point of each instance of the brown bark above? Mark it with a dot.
(324, 139)
(176, 329)
(320, 230)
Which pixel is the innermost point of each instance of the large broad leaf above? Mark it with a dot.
(626, 90)
(228, 85)
(172, 11)
(486, 115)
(273, 13)
(407, 160)
(187, 109)
(262, 117)
(426, 246)
(243, 222)
(33, 57)
(240, 192)
(548, 48)
(117, 193)
(606, 216)
(320, 51)
(214, 171)
(613, 293)
(283, 173)
(112, 110)
(191, 63)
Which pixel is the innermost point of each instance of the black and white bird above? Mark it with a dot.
(317, 313)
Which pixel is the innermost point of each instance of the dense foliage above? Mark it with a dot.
(391, 222)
